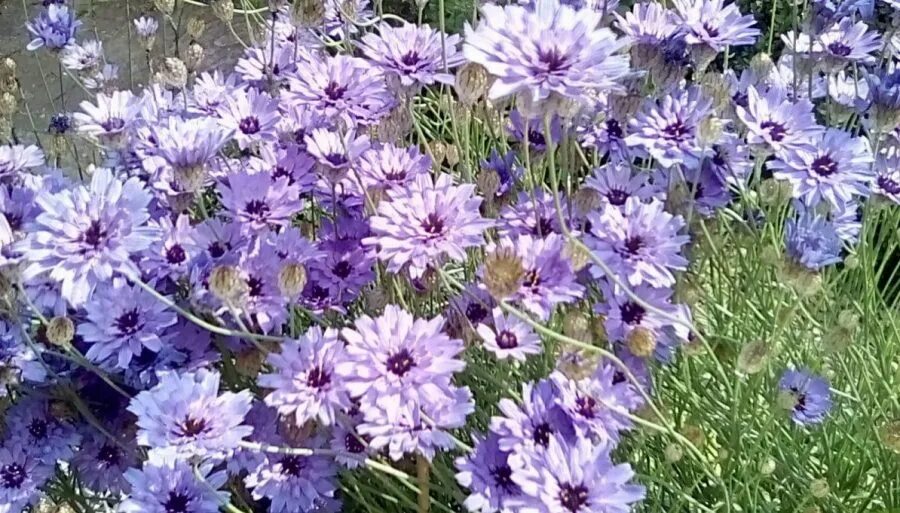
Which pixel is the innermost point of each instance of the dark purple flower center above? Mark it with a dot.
(397, 175)
(342, 269)
(293, 465)
(502, 475)
(676, 131)
(776, 130)
(353, 444)
(573, 497)
(15, 221)
(193, 427)
(712, 31)
(617, 197)
(433, 224)
(888, 185)
(618, 377)
(254, 286)
(257, 210)
(59, 124)
(741, 99)
(613, 129)
(175, 254)
(824, 166)
(633, 244)
(129, 322)
(95, 235)
(318, 378)
(543, 227)
(632, 313)
(536, 138)
(507, 340)
(553, 61)
(476, 313)
(840, 49)
(410, 58)
(336, 159)
(318, 293)
(249, 125)
(300, 137)
(400, 362)
(12, 475)
(586, 406)
(216, 250)
(38, 429)
(334, 91)
(109, 454)
(177, 503)
(282, 172)
(800, 398)
(113, 124)
(531, 279)
(541, 435)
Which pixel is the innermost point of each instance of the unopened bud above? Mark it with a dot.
(488, 183)
(195, 27)
(439, 151)
(641, 342)
(60, 331)
(249, 362)
(374, 300)
(193, 56)
(694, 434)
(8, 104)
(225, 282)
(471, 83)
(292, 279)
(767, 467)
(586, 200)
(753, 357)
(175, 73)
(576, 325)
(308, 13)
(673, 453)
(8, 68)
(819, 488)
(503, 273)
(579, 257)
(761, 65)
(223, 10)
(452, 155)
(890, 435)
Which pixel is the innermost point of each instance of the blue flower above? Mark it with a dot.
(809, 396)
(167, 484)
(53, 28)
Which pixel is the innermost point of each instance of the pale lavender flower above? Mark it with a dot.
(290, 162)
(250, 115)
(668, 130)
(846, 41)
(22, 475)
(335, 152)
(533, 213)
(599, 408)
(167, 484)
(488, 476)
(617, 182)
(211, 92)
(812, 241)
(509, 337)
(422, 225)
(388, 167)
(640, 242)
(887, 174)
(146, 26)
(84, 57)
(714, 24)
(257, 65)
(608, 137)
(256, 201)
(54, 28)
(341, 88)
(776, 123)
(303, 380)
(836, 168)
(810, 394)
(172, 254)
(17, 158)
(187, 145)
(86, 235)
(731, 161)
(551, 49)
(575, 477)
(185, 414)
(647, 23)
(533, 423)
(296, 483)
(415, 54)
(110, 120)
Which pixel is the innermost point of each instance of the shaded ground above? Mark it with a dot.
(109, 21)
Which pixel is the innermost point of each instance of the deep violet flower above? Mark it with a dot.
(488, 476)
(32, 425)
(296, 483)
(887, 174)
(812, 241)
(415, 54)
(256, 201)
(533, 423)
(166, 484)
(22, 475)
(101, 463)
(714, 24)
(809, 396)
(617, 182)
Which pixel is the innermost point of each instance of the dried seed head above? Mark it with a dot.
(60, 331)
(193, 56)
(225, 282)
(374, 300)
(641, 342)
(249, 361)
(848, 320)
(890, 435)
(673, 453)
(174, 72)
(819, 488)
(586, 200)
(579, 257)
(503, 273)
(8, 104)
(753, 357)
(598, 329)
(195, 27)
(439, 150)
(8, 68)
(395, 126)
(577, 325)
(308, 13)
(695, 434)
(292, 279)
(452, 155)
(576, 364)
(223, 10)
(761, 65)
(471, 83)
(488, 183)
(710, 131)
(164, 6)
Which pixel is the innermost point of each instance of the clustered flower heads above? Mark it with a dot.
(268, 278)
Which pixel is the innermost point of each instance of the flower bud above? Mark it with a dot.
(195, 27)
(761, 65)
(249, 362)
(579, 257)
(819, 488)
(374, 300)
(225, 282)
(753, 357)
(503, 273)
(308, 13)
(488, 183)
(8, 68)
(223, 10)
(576, 325)
(694, 434)
(8, 104)
(673, 453)
(586, 200)
(577, 364)
(641, 342)
(452, 155)
(193, 56)
(598, 329)
(174, 73)
(767, 467)
(471, 83)
(60, 331)
(292, 279)
(439, 150)
(164, 6)
(890, 435)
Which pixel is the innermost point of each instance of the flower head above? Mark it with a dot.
(32, 425)
(54, 28)
(711, 23)
(668, 130)
(390, 167)
(111, 119)
(257, 202)
(809, 395)
(413, 53)
(509, 337)
(22, 474)
(777, 123)
(167, 484)
(187, 145)
(17, 158)
(488, 476)
(250, 115)
(887, 174)
(101, 462)
(296, 483)
(812, 241)
(533, 423)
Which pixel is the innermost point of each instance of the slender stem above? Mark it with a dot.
(423, 475)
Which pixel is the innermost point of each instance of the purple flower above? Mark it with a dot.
(18, 359)
(552, 49)
(185, 414)
(86, 235)
(532, 131)
(22, 475)
(111, 119)
(532, 424)
(266, 429)
(122, 320)
(398, 357)
(17, 158)
(887, 174)
(417, 427)
(575, 477)
(488, 476)
(250, 115)
(812, 241)
(607, 136)
(304, 380)
(290, 162)
(640, 242)
(86, 57)
(506, 168)
(187, 145)
(509, 337)
(648, 23)
(388, 167)
(422, 224)
(417, 55)
(352, 446)
(846, 41)
(809, 396)
(172, 255)
(257, 65)
(598, 405)
(731, 161)
(31, 425)
(296, 483)
(256, 201)
(533, 213)
(145, 26)
(341, 88)
(166, 484)
(711, 23)
(468, 310)
(102, 463)
(343, 271)
(837, 167)
(335, 152)
(549, 279)
(211, 92)
(668, 130)
(776, 123)
(53, 28)
(616, 183)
